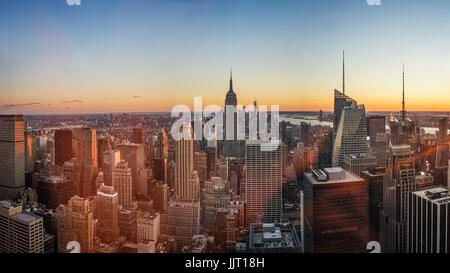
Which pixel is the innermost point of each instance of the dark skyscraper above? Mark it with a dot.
(12, 155)
(137, 136)
(63, 146)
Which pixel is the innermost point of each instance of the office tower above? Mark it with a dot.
(184, 220)
(80, 223)
(54, 190)
(263, 181)
(428, 221)
(161, 156)
(379, 149)
(148, 226)
(274, 238)
(137, 136)
(104, 144)
(123, 183)
(375, 180)
(443, 129)
(86, 151)
(335, 211)
(107, 213)
(326, 150)
(110, 160)
(30, 151)
(42, 146)
(222, 169)
(211, 158)
(400, 182)
(86, 143)
(186, 183)
(12, 156)
(341, 101)
(201, 165)
(304, 132)
(128, 224)
(375, 125)
(20, 232)
(159, 192)
(171, 173)
(359, 163)
(133, 154)
(63, 146)
(215, 196)
(51, 150)
(350, 134)
(442, 149)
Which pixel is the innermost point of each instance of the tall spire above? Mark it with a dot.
(403, 96)
(231, 79)
(343, 71)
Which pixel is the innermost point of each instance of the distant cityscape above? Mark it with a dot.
(118, 183)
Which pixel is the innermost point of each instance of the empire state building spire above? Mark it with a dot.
(231, 80)
(403, 96)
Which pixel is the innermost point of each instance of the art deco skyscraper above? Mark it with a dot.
(12, 156)
(186, 180)
(107, 213)
(263, 181)
(79, 224)
(63, 146)
(123, 183)
(161, 157)
(400, 182)
(133, 154)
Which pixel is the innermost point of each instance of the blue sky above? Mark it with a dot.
(130, 55)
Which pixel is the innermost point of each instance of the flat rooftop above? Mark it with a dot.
(349, 177)
(441, 193)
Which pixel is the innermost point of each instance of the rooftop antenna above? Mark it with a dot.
(343, 71)
(403, 96)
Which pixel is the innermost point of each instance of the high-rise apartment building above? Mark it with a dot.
(12, 156)
(263, 160)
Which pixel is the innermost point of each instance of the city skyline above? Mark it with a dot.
(148, 56)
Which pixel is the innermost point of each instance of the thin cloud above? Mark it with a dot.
(20, 105)
(72, 101)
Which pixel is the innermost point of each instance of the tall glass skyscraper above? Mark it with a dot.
(263, 160)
